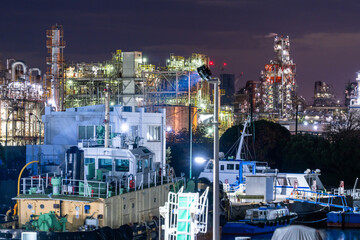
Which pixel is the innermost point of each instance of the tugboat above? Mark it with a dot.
(262, 220)
(99, 191)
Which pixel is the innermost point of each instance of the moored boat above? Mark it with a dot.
(262, 220)
(345, 219)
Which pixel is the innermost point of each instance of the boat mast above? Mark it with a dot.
(243, 135)
(107, 115)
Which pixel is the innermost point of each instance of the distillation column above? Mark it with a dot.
(55, 45)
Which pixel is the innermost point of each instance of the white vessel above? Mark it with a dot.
(233, 175)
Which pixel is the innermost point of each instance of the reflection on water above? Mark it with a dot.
(340, 234)
(328, 234)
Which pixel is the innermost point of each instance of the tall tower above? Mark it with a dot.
(278, 81)
(55, 81)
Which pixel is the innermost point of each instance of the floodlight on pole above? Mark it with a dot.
(200, 160)
(205, 74)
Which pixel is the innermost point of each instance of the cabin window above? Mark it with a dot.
(89, 161)
(237, 166)
(121, 165)
(139, 166)
(292, 181)
(105, 163)
(222, 167)
(151, 163)
(230, 167)
(210, 166)
(282, 181)
(153, 134)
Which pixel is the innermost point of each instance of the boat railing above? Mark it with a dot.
(320, 198)
(112, 186)
(355, 193)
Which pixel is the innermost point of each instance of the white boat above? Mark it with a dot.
(233, 174)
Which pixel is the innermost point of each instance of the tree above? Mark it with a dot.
(269, 139)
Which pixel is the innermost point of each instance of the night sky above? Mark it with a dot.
(324, 35)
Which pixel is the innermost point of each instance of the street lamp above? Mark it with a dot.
(205, 74)
(191, 123)
(38, 120)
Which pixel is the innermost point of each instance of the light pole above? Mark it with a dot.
(205, 74)
(191, 123)
(38, 120)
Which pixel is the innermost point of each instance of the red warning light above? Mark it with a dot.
(211, 63)
(224, 64)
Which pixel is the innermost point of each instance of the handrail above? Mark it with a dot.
(18, 186)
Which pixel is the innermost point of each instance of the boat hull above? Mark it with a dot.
(248, 228)
(343, 219)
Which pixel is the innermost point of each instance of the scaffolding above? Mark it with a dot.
(278, 81)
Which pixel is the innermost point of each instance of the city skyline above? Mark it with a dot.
(323, 37)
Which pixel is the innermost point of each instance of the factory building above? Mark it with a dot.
(135, 83)
(278, 82)
(324, 95)
(247, 101)
(350, 92)
(355, 99)
(227, 86)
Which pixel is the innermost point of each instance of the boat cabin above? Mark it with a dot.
(230, 170)
(101, 163)
(266, 213)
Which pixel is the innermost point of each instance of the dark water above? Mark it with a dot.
(328, 234)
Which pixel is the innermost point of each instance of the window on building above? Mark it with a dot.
(222, 167)
(100, 132)
(237, 166)
(86, 132)
(105, 163)
(153, 134)
(122, 165)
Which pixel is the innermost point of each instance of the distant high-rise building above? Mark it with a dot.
(227, 87)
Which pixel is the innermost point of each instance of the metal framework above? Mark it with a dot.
(278, 81)
(22, 101)
(142, 85)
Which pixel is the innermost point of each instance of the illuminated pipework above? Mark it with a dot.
(21, 104)
(55, 45)
(278, 81)
(355, 103)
